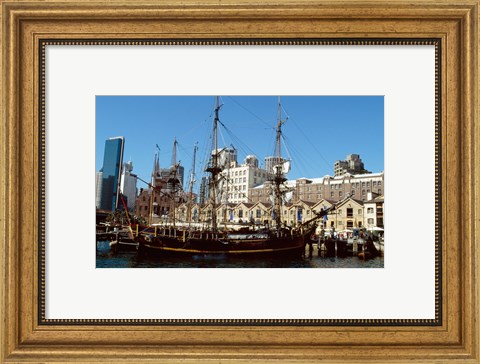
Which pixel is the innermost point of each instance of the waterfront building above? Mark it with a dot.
(112, 164)
(128, 185)
(352, 165)
(153, 204)
(373, 217)
(206, 212)
(225, 213)
(242, 212)
(327, 187)
(98, 188)
(347, 216)
(350, 213)
(183, 215)
(323, 204)
(261, 213)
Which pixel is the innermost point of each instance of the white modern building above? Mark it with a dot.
(128, 184)
(238, 179)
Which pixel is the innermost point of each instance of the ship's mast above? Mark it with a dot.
(174, 180)
(192, 181)
(156, 169)
(279, 176)
(214, 169)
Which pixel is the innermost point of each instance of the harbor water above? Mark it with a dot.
(107, 258)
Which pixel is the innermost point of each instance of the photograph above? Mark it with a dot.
(239, 181)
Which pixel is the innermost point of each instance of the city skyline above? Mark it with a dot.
(319, 130)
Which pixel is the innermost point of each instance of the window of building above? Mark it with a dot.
(363, 184)
(340, 212)
(370, 221)
(339, 193)
(259, 213)
(363, 193)
(374, 183)
(331, 194)
(379, 183)
(240, 213)
(244, 179)
(379, 191)
(349, 212)
(359, 211)
(370, 210)
(368, 184)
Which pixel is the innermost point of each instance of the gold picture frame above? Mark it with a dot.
(25, 339)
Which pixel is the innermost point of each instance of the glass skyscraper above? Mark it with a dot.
(112, 167)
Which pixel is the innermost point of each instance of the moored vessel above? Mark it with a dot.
(276, 240)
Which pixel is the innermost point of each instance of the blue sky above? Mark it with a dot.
(319, 129)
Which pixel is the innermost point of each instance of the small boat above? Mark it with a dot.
(369, 250)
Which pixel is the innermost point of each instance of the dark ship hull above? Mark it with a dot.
(183, 243)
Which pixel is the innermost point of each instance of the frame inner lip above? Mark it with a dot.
(437, 321)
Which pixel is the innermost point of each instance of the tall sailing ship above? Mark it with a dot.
(276, 240)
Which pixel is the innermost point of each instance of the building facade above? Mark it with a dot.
(327, 187)
(239, 179)
(158, 203)
(98, 188)
(112, 164)
(374, 213)
(349, 214)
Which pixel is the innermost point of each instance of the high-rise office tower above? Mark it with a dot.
(112, 167)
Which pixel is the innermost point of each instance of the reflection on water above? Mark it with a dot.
(108, 259)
